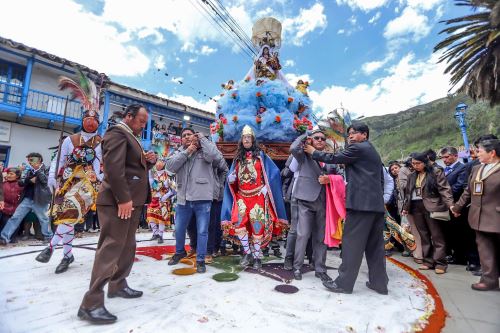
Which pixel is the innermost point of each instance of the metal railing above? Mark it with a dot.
(10, 93)
(52, 104)
(45, 104)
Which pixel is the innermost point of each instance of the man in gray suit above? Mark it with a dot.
(364, 224)
(192, 164)
(310, 193)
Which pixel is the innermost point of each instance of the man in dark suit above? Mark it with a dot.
(123, 193)
(455, 230)
(364, 224)
(310, 194)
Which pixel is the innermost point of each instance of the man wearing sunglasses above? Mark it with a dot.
(364, 224)
(310, 193)
(35, 197)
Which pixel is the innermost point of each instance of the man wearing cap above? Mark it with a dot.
(310, 193)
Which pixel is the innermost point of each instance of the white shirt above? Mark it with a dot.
(66, 150)
(388, 185)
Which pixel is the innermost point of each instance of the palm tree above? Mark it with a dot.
(472, 50)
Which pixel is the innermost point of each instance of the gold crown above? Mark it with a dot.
(247, 130)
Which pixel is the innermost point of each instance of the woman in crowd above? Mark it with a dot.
(483, 193)
(427, 200)
(392, 205)
(402, 182)
(11, 192)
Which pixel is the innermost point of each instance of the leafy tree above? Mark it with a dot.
(472, 50)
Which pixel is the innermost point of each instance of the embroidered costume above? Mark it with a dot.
(75, 183)
(253, 209)
(159, 211)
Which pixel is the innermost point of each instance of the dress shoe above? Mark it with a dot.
(406, 253)
(209, 259)
(265, 252)
(481, 286)
(200, 267)
(323, 276)
(191, 254)
(246, 260)
(45, 255)
(418, 261)
(64, 264)
(3, 241)
(126, 293)
(473, 267)
(388, 253)
(297, 275)
(160, 240)
(288, 264)
(97, 316)
(176, 258)
(477, 273)
(440, 270)
(257, 264)
(424, 267)
(333, 287)
(381, 292)
(455, 261)
(154, 237)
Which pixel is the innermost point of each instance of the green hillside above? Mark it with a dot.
(430, 125)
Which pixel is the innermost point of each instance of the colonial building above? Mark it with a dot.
(32, 107)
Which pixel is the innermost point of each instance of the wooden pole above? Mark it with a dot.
(58, 157)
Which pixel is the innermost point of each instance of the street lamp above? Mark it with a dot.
(460, 113)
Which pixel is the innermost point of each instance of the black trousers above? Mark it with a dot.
(363, 233)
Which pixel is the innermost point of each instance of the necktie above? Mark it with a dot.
(447, 170)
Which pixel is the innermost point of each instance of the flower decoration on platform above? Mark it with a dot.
(277, 119)
(234, 95)
(258, 119)
(302, 125)
(290, 99)
(235, 119)
(262, 109)
(258, 94)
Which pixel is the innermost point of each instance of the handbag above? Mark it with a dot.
(442, 216)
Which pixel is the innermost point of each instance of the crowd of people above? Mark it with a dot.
(439, 215)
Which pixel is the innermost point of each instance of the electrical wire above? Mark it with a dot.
(220, 27)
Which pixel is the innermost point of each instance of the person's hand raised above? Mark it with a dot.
(309, 149)
(324, 179)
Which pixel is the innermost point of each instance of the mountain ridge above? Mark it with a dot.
(430, 125)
